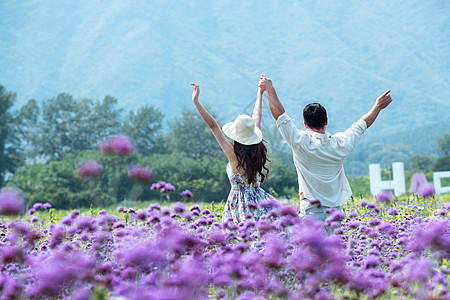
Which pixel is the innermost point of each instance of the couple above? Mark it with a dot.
(318, 155)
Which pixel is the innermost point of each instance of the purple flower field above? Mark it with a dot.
(381, 250)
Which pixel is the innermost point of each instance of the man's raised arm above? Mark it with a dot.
(276, 108)
(382, 102)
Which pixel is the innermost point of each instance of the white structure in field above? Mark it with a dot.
(398, 181)
(437, 182)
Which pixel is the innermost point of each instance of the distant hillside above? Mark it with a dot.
(395, 147)
(340, 53)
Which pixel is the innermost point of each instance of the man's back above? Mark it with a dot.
(319, 157)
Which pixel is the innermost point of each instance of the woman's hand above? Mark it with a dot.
(196, 92)
(260, 91)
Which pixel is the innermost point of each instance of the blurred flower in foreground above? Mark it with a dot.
(117, 145)
(140, 174)
(89, 169)
(11, 202)
(187, 194)
(384, 196)
(426, 190)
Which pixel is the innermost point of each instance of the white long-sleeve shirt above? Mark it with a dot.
(319, 159)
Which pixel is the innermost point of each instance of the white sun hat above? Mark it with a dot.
(243, 130)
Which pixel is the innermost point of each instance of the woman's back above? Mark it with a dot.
(245, 198)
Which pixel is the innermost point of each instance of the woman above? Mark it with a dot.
(247, 157)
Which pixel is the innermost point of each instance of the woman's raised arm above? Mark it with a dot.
(257, 111)
(224, 143)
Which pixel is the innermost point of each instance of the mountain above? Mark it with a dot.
(340, 53)
(395, 147)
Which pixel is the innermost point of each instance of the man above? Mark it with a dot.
(318, 155)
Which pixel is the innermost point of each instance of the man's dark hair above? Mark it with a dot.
(315, 115)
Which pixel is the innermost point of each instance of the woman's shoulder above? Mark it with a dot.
(232, 168)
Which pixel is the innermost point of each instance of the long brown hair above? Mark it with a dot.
(252, 158)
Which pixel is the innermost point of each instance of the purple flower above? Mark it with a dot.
(426, 190)
(435, 235)
(353, 224)
(387, 228)
(140, 174)
(74, 213)
(11, 202)
(372, 261)
(187, 194)
(167, 188)
(31, 211)
(37, 206)
(287, 210)
(47, 206)
(374, 222)
(154, 206)
(157, 186)
(338, 231)
(337, 215)
(117, 145)
(353, 214)
(178, 208)
(268, 203)
(89, 169)
(34, 219)
(384, 196)
(419, 270)
(141, 215)
(316, 202)
(371, 205)
(195, 208)
(392, 211)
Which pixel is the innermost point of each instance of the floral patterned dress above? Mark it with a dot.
(245, 198)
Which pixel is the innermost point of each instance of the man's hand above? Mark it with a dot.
(196, 92)
(384, 100)
(265, 83)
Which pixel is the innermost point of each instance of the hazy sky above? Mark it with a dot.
(342, 53)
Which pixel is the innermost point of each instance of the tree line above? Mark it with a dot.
(42, 143)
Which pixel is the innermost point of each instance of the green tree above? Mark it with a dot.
(282, 178)
(10, 151)
(442, 163)
(145, 127)
(421, 163)
(71, 126)
(205, 177)
(56, 182)
(28, 118)
(443, 147)
(190, 135)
